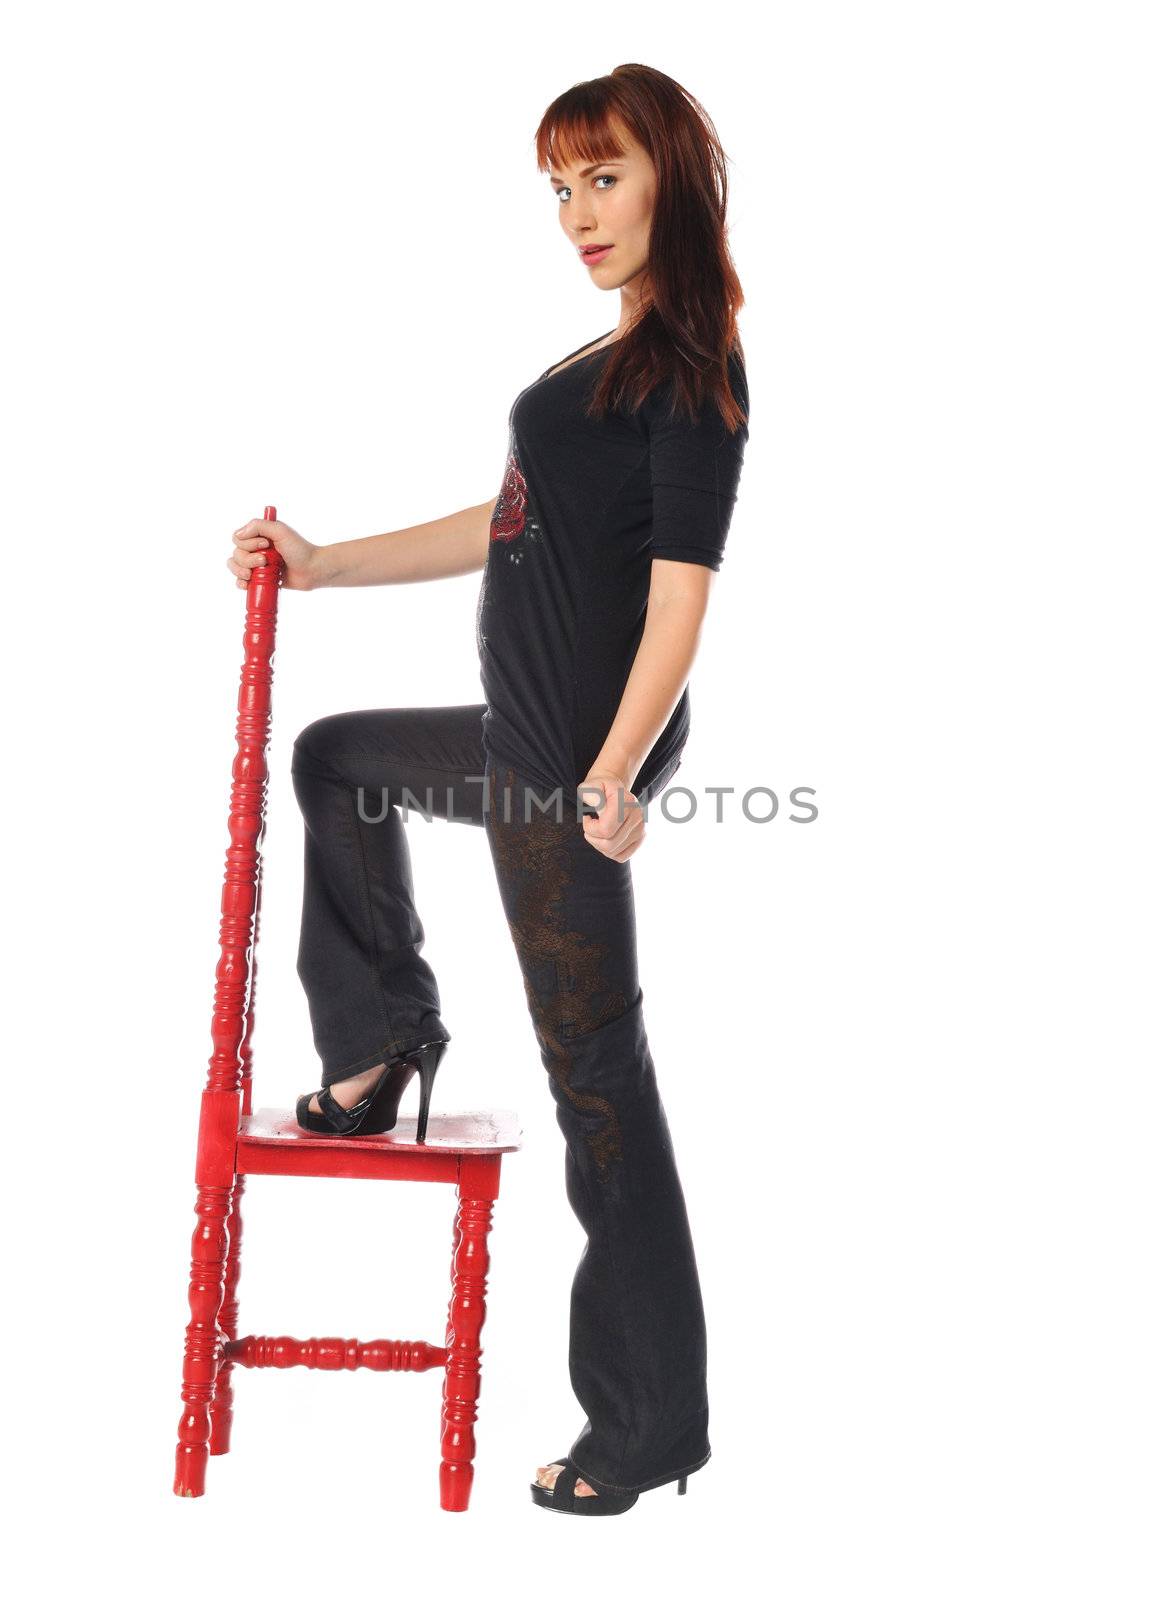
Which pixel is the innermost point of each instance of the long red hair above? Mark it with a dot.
(686, 329)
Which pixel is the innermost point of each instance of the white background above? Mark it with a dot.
(911, 1053)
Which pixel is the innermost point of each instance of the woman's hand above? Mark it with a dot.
(618, 830)
(301, 558)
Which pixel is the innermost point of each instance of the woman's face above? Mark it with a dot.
(609, 203)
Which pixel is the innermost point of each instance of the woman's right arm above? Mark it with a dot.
(445, 548)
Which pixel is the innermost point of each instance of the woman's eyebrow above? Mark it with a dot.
(584, 171)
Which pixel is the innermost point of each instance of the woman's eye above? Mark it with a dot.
(603, 177)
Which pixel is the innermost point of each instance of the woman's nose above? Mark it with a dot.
(580, 221)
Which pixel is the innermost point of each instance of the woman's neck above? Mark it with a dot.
(634, 299)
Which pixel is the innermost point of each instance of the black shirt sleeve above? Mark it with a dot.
(694, 469)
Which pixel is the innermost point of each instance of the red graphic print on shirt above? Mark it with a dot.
(510, 514)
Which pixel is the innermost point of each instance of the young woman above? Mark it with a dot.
(597, 559)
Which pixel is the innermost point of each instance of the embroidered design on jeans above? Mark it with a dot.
(561, 969)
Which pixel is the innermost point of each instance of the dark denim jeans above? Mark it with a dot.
(637, 1342)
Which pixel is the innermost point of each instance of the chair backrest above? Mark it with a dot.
(234, 1010)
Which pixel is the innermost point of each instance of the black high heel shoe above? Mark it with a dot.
(376, 1112)
(604, 1503)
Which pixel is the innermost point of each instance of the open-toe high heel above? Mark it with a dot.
(376, 1112)
(604, 1503)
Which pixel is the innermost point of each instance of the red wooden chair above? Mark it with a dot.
(463, 1150)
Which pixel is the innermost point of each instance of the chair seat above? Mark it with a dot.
(470, 1133)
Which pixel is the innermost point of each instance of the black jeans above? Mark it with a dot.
(637, 1343)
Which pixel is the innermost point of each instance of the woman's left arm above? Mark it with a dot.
(694, 464)
(677, 599)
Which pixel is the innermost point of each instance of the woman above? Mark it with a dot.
(597, 559)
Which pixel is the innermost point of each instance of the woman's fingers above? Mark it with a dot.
(250, 543)
(625, 840)
(628, 850)
(242, 564)
(632, 829)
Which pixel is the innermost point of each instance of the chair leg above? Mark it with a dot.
(460, 1387)
(201, 1355)
(223, 1399)
(453, 1278)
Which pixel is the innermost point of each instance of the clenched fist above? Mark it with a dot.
(254, 538)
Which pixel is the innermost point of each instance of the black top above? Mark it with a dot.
(585, 506)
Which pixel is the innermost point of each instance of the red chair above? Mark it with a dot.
(233, 1142)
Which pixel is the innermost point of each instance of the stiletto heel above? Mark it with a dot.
(427, 1067)
(681, 1483)
(376, 1112)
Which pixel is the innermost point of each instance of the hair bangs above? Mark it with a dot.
(578, 127)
